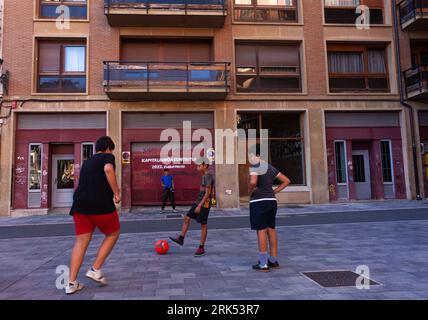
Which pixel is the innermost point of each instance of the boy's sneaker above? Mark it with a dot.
(178, 240)
(273, 265)
(162, 211)
(97, 276)
(261, 268)
(174, 210)
(199, 252)
(73, 287)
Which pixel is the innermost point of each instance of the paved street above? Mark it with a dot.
(393, 247)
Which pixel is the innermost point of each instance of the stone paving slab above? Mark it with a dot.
(152, 213)
(395, 252)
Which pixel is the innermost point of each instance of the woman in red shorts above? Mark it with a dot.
(94, 207)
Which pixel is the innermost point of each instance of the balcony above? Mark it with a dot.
(416, 83)
(265, 13)
(166, 13)
(142, 80)
(414, 15)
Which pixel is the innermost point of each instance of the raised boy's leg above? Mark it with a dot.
(184, 229)
(80, 246)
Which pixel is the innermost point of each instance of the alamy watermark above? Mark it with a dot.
(230, 146)
(363, 280)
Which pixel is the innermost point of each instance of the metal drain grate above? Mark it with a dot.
(169, 216)
(338, 278)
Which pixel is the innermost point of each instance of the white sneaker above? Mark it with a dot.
(175, 210)
(97, 276)
(73, 287)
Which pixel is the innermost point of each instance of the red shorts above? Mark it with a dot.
(106, 223)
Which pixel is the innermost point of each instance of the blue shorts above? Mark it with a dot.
(263, 214)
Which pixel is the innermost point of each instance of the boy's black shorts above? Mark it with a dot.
(263, 214)
(201, 217)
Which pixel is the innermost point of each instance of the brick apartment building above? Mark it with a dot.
(329, 94)
(413, 41)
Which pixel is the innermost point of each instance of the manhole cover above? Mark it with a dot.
(339, 278)
(168, 216)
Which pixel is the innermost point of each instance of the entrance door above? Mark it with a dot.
(62, 180)
(360, 159)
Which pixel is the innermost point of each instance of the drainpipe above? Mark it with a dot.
(402, 100)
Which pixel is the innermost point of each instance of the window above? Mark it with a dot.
(265, 10)
(52, 9)
(87, 151)
(424, 59)
(386, 161)
(345, 11)
(35, 167)
(340, 155)
(285, 140)
(62, 67)
(268, 67)
(357, 68)
(359, 168)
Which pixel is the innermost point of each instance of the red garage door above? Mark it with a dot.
(147, 170)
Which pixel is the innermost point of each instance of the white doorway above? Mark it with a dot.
(362, 180)
(62, 180)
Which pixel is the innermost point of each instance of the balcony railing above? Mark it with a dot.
(414, 14)
(146, 80)
(179, 13)
(266, 14)
(416, 82)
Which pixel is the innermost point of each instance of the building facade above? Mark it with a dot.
(413, 40)
(327, 91)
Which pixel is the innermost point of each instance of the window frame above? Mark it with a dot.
(362, 2)
(29, 167)
(345, 161)
(81, 149)
(254, 6)
(258, 73)
(62, 73)
(301, 115)
(392, 182)
(360, 48)
(80, 3)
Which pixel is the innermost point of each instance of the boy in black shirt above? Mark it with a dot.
(94, 206)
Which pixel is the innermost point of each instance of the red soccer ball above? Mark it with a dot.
(161, 247)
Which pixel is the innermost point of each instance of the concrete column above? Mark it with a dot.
(226, 174)
(318, 168)
(6, 160)
(114, 128)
